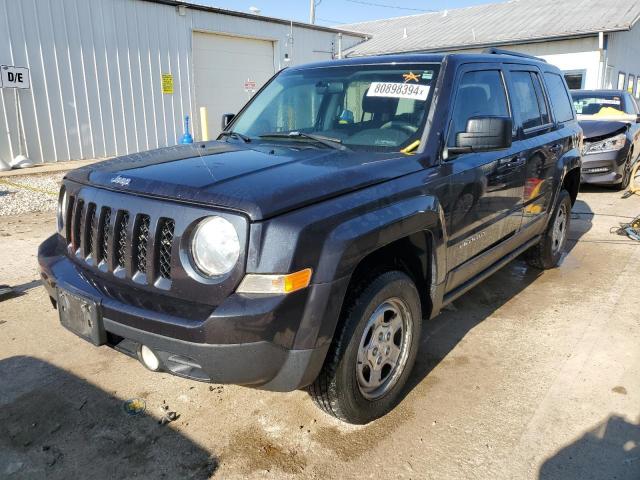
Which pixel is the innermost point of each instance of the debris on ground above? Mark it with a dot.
(631, 229)
(168, 415)
(134, 406)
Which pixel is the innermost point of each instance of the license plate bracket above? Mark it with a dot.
(81, 316)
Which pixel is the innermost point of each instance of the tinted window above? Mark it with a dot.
(480, 94)
(559, 97)
(525, 100)
(542, 100)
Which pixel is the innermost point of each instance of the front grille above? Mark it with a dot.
(165, 240)
(141, 240)
(102, 235)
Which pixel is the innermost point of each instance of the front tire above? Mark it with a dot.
(373, 351)
(626, 174)
(548, 252)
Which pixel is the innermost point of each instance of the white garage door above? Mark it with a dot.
(222, 64)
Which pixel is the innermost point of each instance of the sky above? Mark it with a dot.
(335, 12)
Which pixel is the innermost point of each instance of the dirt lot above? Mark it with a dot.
(530, 375)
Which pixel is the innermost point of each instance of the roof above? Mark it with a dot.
(515, 21)
(252, 16)
(420, 58)
(402, 58)
(601, 91)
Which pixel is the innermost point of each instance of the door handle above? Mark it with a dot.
(516, 161)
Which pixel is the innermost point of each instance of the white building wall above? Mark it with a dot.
(96, 70)
(624, 55)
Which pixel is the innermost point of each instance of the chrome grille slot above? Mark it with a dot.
(120, 243)
(89, 229)
(104, 231)
(78, 220)
(68, 219)
(166, 229)
(141, 238)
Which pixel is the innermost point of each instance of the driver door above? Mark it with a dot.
(486, 187)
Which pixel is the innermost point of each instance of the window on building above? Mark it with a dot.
(480, 94)
(559, 97)
(631, 83)
(575, 80)
(621, 80)
(637, 94)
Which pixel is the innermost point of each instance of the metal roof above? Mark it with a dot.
(252, 16)
(515, 21)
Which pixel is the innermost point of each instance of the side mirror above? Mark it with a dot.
(484, 134)
(226, 119)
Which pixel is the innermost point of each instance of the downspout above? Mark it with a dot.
(603, 44)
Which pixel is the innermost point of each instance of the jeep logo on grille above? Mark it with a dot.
(122, 181)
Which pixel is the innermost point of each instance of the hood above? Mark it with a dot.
(261, 180)
(596, 129)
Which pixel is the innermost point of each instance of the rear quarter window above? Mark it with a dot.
(559, 97)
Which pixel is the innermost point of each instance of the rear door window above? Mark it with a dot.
(559, 97)
(525, 100)
(480, 94)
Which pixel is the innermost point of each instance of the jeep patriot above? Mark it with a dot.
(345, 203)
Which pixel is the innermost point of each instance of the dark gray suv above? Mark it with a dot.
(346, 203)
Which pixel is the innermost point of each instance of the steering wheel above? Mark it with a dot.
(404, 127)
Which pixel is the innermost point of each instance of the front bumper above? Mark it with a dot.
(604, 168)
(270, 342)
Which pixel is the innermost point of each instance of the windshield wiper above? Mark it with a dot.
(330, 142)
(232, 134)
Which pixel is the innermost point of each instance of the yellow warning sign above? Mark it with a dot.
(167, 84)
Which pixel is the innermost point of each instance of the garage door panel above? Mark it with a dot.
(222, 64)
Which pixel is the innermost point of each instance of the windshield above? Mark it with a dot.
(601, 104)
(363, 107)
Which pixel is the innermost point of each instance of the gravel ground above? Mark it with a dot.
(29, 193)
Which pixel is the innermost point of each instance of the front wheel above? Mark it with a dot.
(548, 252)
(373, 351)
(626, 174)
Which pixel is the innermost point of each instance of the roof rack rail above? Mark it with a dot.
(499, 51)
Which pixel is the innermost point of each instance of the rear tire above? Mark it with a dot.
(373, 350)
(548, 252)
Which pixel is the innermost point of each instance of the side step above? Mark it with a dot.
(469, 284)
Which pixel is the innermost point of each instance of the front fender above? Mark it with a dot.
(332, 238)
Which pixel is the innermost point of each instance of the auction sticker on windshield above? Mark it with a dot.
(398, 90)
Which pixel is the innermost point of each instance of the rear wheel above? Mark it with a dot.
(373, 352)
(548, 252)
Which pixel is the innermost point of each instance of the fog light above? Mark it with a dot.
(149, 359)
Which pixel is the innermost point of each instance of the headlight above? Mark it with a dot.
(215, 247)
(62, 210)
(612, 144)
